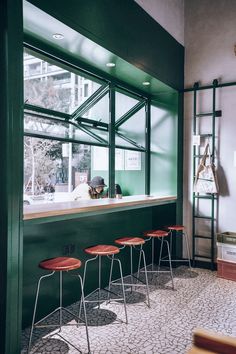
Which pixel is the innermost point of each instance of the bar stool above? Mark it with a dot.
(100, 251)
(58, 264)
(180, 230)
(135, 243)
(160, 235)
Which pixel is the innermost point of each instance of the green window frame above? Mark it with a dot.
(98, 132)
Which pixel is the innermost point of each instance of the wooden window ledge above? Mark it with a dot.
(74, 209)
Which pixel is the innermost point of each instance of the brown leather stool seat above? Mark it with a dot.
(156, 233)
(102, 250)
(130, 241)
(176, 228)
(58, 265)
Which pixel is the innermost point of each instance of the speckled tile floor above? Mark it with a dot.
(200, 299)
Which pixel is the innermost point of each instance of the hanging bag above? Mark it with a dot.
(206, 179)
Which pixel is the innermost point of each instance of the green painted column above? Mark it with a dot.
(112, 141)
(11, 137)
(147, 146)
(179, 206)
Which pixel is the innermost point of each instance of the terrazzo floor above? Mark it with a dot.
(200, 299)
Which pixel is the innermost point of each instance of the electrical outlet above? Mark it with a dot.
(72, 248)
(67, 250)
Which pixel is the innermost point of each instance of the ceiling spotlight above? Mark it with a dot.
(58, 36)
(146, 83)
(110, 65)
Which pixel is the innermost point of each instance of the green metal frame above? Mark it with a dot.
(87, 125)
(197, 197)
(129, 114)
(148, 147)
(112, 141)
(90, 102)
(11, 177)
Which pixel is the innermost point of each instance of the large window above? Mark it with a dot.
(66, 130)
(70, 136)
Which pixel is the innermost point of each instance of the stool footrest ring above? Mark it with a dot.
(114, 282)
(37, 325)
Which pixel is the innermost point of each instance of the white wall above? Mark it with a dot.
(210, 35)
(168, 13)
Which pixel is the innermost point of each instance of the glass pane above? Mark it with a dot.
(163, 151)
(57, 129)
(123, 104)
(49, 86)
(52, 170)
(130, 171)
(100, 163)
(100, 111)
(134, 128)
(121, 142)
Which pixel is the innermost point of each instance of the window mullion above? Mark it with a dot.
(129, 114)
(141, 148)
(148, 147)
(90, 102)
(112, 141)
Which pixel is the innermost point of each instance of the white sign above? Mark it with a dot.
(100, 158)
(132, 160)
(119, 160)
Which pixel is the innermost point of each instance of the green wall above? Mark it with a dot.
(164, 149)
(132, 182)
(11, 136)
(46, 240)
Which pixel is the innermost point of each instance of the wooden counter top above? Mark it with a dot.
(73, 209)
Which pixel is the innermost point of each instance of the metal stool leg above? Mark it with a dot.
(35, 308)
(153, 244)
(85, 315)
(99, 279)
(188, 250)
(131, 266)
(169, 256)
(84, 276)
(145, 272)
(171, 241)
(160, 255)
(110, 278)
(139, 263)
(60, 299)
(123, 287)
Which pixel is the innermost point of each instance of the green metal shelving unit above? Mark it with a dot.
(197, 197)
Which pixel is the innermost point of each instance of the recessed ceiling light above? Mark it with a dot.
(110, 65)
(146, 83)
(58, 36)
